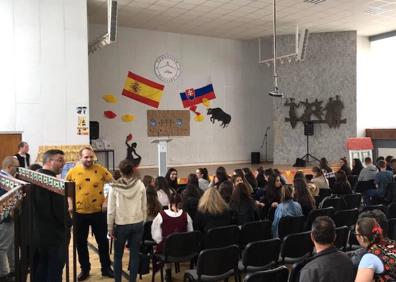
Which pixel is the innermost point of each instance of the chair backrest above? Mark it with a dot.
(336, 202)
(352, 179)
(318, 212)
(363, 186)
(391, 211)
(392, 228)
(255, 231)
(323, 193)
(221, 236)
(218, 261)
(147, 231)
(261, 253)
(290, 225)
(296, 245)
(342, 234)
(375, 207)
(346, 217)
(280, 274)
(183, 246)
(352, 201)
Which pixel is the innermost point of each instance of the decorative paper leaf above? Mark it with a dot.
(110, 98)
(128, 118)
(110, 114)
(206, 102)
(193, 108)
(199, 118)
(129, 137)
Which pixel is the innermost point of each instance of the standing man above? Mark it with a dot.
(49, 242)
(22, 155)
(90, 210)
(9, 167)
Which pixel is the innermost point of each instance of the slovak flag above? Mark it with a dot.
(193, 97)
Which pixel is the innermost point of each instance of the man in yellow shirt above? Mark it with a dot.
(89, 179)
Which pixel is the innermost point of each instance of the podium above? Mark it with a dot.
(162, 145)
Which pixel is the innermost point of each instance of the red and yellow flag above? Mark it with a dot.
(143, 90)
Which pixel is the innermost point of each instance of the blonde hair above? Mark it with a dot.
(212, 202)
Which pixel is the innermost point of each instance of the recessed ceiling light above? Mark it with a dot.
(314, 1)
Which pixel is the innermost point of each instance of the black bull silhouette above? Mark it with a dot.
(220, 115)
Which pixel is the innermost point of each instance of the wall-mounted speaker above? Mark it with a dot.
(93, 130)
(112, 13)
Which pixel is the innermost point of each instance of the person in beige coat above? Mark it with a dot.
(126, 213)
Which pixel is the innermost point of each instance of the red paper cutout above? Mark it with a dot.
(110, 114)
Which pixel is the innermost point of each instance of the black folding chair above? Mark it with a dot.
(255, 231)
(221, 237)
(215, 264)
(179, 247)
(318, 212)
(352, 201)
(296, 246)
(346, 217)
(290, 225)
(392, 228)
(375, 207)
(391, 211)
(337, 203)
(279, 274)
(323, 193)
(260, 255)
(342, 235)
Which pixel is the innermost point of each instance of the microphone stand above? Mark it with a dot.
(265, 139)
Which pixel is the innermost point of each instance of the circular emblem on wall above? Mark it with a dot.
(167, 68)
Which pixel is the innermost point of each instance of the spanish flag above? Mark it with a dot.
(143, 90)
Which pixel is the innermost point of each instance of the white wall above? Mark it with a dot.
(376, 89)
(43, 69)
(240, 84)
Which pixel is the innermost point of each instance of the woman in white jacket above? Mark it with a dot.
(126, 213)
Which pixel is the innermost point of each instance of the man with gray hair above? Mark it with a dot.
(9, 168)
(48, 224)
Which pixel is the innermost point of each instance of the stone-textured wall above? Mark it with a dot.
(329, 69)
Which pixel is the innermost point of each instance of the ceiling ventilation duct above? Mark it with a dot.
(111, 35)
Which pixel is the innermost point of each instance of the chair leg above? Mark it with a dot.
(152, 268)
(162, 273)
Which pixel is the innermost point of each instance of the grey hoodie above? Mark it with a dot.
(368, 173)
(127, 202)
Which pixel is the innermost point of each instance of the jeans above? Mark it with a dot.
(131, 233)
(373, 194)
(6, 248)
(48, 263)
(98, 222)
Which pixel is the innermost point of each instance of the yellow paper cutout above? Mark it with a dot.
(128, 118)
(110, 98)
(199, 118)
(206, 102)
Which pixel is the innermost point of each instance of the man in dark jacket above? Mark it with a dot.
(48, 224)
(22, 155)
(329, 264)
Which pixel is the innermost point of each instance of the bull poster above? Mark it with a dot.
(166, 123)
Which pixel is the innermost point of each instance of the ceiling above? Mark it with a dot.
(247, 19)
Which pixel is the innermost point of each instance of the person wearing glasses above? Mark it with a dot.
(48, 224)
(379, 262)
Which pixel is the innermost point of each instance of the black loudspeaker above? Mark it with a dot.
(300, 163)
(255, 157)
(93, 130)
(308, 128)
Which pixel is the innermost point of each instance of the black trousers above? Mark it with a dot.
(98, 222)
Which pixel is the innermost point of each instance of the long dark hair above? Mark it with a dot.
(325, 165)
(357, 167)
(301, 193)
(171, 183)
(153, 204)
(341, 177)
(221, 175)
(192, 179)
(192, 188)
(204, 172)
(240, 194)
(162, 184)
(250, 177)
(260, 178)
(225, 189)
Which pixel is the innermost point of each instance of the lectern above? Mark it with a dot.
(162, 144)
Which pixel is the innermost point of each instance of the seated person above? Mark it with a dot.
(243, 207)
(287, 207)
(328, 264)
(341, 185)
(319, 179)
(379, 262)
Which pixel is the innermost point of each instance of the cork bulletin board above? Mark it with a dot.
(168, 123)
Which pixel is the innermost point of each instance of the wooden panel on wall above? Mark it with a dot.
(168, 123)
(9, 144)
(381, 133)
